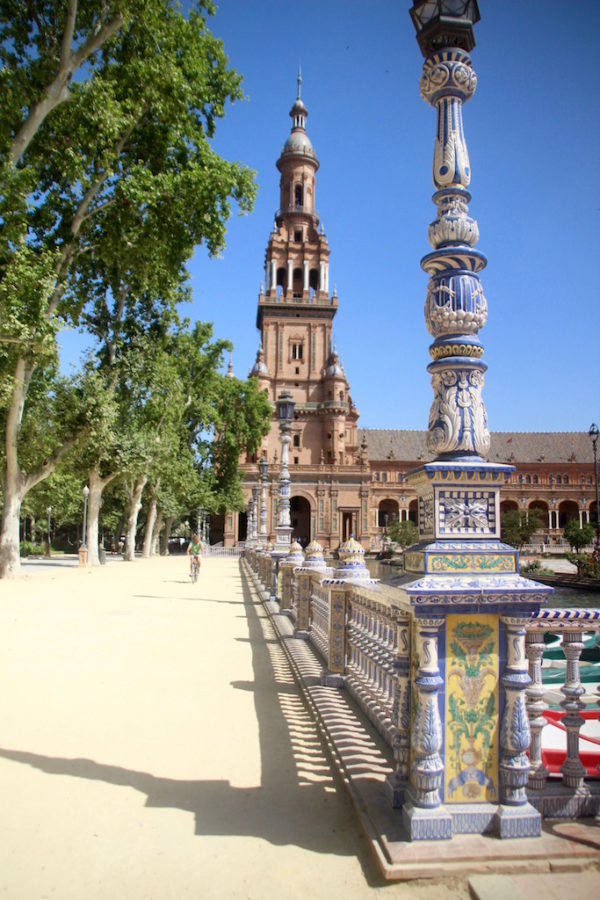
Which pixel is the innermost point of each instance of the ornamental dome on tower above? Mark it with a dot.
(298, 142)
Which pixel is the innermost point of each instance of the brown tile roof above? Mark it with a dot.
(526, 446)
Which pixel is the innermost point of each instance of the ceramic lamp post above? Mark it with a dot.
(283, 530)
(468, 599)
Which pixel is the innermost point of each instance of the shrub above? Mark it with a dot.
(28, 548)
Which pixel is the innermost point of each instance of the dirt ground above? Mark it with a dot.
(154, 745)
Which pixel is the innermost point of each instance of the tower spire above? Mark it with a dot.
(299, 97)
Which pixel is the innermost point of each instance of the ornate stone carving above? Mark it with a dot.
(455, 304)
(458, 420)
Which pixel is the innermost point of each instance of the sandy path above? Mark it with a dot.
(154, 745)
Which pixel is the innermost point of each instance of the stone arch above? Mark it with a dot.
(413, 511)
(508, 506)
(387, 511)
(301, 508)
(567, 510)
(297, 282)
(543, 509)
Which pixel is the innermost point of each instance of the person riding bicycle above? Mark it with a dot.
(194, 550)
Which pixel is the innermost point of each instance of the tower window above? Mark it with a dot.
(296, 460)
(297, 351)
(296, 440)
(298, 195)
(298, 236)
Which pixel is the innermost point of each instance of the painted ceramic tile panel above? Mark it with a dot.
(471, 715)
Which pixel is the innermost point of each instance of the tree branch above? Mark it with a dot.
(67, 38)
(50, 463)
(58, 89)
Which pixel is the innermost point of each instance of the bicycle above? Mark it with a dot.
(195, 569)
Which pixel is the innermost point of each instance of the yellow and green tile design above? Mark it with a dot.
(471, 562)
(471, 715)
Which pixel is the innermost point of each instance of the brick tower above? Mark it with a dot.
(296, 353)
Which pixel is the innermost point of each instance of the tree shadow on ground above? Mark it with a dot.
(298, 802)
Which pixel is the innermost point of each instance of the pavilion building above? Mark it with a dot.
(345, 480)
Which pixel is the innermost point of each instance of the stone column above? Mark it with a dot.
(424, 816)
(314, 564)
(515, 817)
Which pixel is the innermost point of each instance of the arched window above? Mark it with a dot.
(535, 479)
(559, 479)
(296, 440)
(565, 479)
(298, 196)
(384, 476)
(528, 479)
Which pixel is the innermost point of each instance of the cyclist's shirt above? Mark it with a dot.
(195, 548)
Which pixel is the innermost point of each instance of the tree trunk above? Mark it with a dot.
(134, 492)
(96, 485)
(10, 557)
(164, 541)
(150, 520)
(160, 521)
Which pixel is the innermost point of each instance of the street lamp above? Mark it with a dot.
(255, 514)
(283, 530)
(263, 471)
(459, 491)
(285, 416)
(49, 512)
(593, 433)
(86, 494)
(444, 23)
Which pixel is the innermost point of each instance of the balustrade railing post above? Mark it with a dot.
(287, 565)
(573, 770)
(314, 563)
(424, 816)
(538, 773)
(351, 570)
(398, 781)
(515, 816)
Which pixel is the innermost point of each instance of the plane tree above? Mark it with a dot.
(102, 198)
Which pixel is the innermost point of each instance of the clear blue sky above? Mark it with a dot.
(533, 134)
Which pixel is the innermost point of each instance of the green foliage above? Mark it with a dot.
(587, 565)
(578, 536)
(403, 533)
(518, 526)
(28, 548)
(103, 200)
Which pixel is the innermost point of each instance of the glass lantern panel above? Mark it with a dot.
(425, 13)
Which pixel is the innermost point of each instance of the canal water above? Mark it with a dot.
(562, 596)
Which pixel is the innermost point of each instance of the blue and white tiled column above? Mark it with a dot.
(469, 766)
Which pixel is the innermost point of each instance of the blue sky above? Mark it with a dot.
(533, 134)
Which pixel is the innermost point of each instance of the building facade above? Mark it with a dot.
(345, 480)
